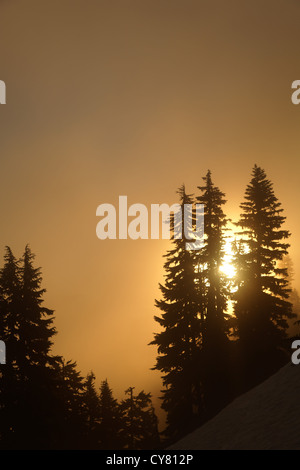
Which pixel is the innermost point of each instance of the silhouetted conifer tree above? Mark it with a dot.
(71, 396)
(110, 419)
(36, 321)
(211, 258)
(27, 328)
(215, 351)
(140, 425)
(39, 406)
(180, 339)
(262, 307)
(91, 412)
(10, 307)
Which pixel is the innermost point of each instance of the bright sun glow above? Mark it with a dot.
(227, 267)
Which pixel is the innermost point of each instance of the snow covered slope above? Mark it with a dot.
(266, 417)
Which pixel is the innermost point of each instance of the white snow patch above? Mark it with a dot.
(266, 417)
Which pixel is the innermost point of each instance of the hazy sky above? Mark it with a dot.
(124, 97)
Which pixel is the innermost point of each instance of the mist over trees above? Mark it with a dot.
(217, 336)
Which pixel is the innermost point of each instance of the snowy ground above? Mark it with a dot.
(266, 417)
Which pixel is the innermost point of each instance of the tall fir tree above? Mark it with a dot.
(91, 412)
(262, 308)
(39, 400)
(110, 428)
(44, 400)
(211, 258)
(140, 424)
(10, 306)
(27, 331)
(180, 340)
(36, 325)
(215, 367)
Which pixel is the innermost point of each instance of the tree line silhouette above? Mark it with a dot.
(45, 403)
(207, 354)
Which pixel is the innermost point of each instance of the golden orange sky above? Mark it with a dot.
(135, 97)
